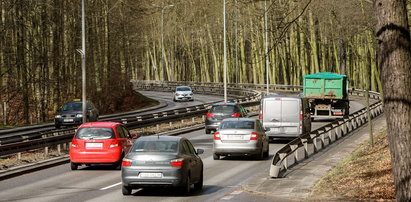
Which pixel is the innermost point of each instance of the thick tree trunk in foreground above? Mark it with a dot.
(394, 51)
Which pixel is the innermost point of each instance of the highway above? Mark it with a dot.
(102, 183)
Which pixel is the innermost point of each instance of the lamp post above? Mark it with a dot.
(82, 52)
(225, 58)
(266, 45)
(162, 37)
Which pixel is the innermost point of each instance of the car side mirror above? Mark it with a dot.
(200, 151)
(248, 111)
(266, 129)
(59, 110)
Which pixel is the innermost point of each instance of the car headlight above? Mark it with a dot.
(58, 116)
(191, 94)
(79, 115)
(177, 94)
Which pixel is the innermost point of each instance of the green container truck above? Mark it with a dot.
(327, 93)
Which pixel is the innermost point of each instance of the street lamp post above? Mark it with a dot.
(266, 45)
(82, 52)
(225, 58)
(162, 38)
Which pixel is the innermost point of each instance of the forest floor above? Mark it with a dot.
(365, 175)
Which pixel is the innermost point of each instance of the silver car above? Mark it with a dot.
(183, 93)
(240, 136)
(162, 161)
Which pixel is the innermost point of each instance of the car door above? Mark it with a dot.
(122, 139)
(261, 131)
(192, 160)
(128, 139)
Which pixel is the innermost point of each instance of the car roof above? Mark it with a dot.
(108, 124)
(239, 119)
(225, 103)
(159, 137)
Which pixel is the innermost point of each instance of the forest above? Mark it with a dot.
(174, 40)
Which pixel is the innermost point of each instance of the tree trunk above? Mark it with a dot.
(394, 58)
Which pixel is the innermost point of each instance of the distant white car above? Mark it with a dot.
(183, 93)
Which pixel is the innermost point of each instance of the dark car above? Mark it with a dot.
(162, 161)
(71, 114)
(220, 111)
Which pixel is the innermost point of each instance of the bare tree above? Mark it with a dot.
(394, 58)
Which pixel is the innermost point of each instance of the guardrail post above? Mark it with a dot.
(158, 127)
(19, 156)
(170, 124)
(193, 119)
(58, 149)
(46, 151)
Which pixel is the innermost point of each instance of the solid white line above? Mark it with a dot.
(113, 185)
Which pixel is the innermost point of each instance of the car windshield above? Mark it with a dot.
(183, 89)
(155, 146)
(223, 109)
(72, 106)
(237, 125)
(96, 133)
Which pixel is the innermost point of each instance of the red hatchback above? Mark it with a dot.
(99, 143)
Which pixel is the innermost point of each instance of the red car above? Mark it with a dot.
(100, 143)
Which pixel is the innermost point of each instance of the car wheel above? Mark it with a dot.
(216, 157)
(126, 190)
(207, 131)
(73, 166)
(186, 186)
(199, 184)
(260, 156)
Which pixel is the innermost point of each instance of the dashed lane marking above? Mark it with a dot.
(108, 187)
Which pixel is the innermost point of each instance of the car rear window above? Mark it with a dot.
(95, 133)
(183, 89)
(72, 106)
(237, 125)
(223, 109)
(155, 146)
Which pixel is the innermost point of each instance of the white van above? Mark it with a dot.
(285, 117)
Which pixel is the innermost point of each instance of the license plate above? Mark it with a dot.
(68, 120)
(236, 137)
(151, 175)
(94, 145)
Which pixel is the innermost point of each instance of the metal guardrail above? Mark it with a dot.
(49, 138)
(310, 143)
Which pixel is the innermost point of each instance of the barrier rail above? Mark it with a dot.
(310, 143)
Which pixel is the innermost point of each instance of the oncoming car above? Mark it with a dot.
(240, 136)
(183, 93)
(71, 114)
(100, 143)
(162, 161)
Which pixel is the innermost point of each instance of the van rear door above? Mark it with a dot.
(281, 116)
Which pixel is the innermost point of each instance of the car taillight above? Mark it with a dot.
(260, 116)
(114, 143)
(208, 115)
(217, 136)
(74, 143)
(254, 136)
(126, 162)
(301, 115)
(236, 115)
(177, 163)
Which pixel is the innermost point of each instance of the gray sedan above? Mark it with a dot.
(240, 136)
(162, 161)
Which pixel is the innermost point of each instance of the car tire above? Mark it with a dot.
(73, 166)
(216, 157)
(207, 131)
(126, 190)
(260, 156)
(185, 189)
(199, 184)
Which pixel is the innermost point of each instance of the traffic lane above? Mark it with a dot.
(220, 176)
(167, 97)
(102, 183)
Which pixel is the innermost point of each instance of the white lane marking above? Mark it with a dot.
(227, 197)
(113, 185)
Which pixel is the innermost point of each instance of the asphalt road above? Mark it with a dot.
(222, 178)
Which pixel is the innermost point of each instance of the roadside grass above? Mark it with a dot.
(365, 175)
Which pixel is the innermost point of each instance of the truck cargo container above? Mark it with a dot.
(327, 93)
